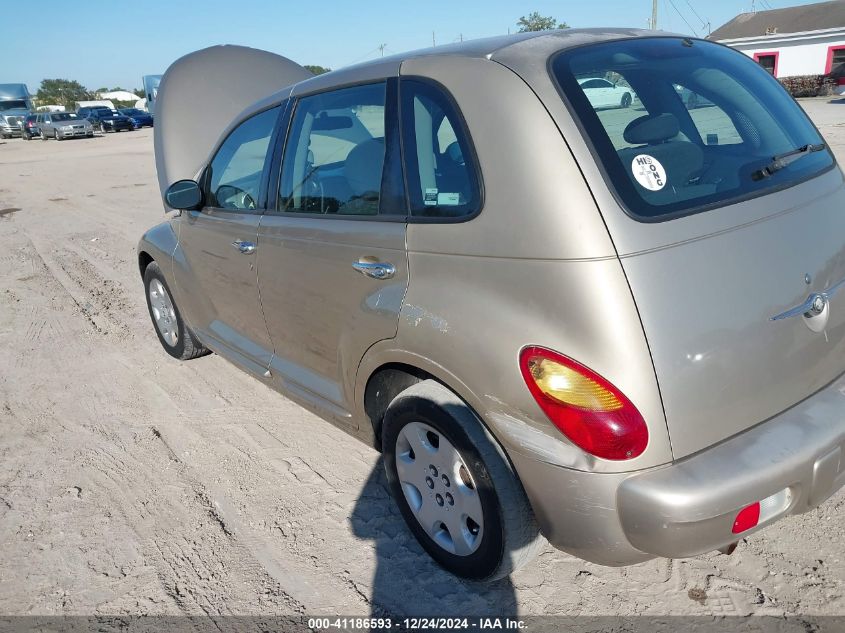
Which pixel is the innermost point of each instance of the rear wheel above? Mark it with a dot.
(454, 485)
(175, 336)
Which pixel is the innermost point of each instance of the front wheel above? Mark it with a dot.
(56, 135)
(626, 100)
(455, 487)
(173, 334)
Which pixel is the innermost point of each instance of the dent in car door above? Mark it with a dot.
(332, 262)
(217, 274)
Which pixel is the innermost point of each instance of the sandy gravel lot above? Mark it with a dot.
(132, 483)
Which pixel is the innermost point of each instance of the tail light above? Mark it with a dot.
(585, 407)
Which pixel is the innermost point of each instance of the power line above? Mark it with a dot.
(700, 19)
(364, 56)
(683, 18)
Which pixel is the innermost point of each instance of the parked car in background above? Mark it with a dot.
(15, 104)
(604, 94)
(106, 119)
(29, 127)
(624, 330)
(139, 118)
(62, 125)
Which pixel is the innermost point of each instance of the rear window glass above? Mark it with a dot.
(681, 125)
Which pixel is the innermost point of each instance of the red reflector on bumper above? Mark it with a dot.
(747, 518)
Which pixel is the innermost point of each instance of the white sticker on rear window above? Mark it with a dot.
(448, 199)
(649, 172)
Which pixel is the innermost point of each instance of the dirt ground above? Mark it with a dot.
(133, 483)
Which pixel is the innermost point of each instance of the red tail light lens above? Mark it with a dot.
(585, 407)
(747, 518)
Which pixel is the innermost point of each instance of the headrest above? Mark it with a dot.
(651, 129)
(364, 166)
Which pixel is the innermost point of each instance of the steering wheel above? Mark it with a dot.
(231, 197)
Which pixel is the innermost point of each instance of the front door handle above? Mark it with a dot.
(244, 247)
(376, 270)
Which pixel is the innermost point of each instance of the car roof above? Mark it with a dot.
(515, 51)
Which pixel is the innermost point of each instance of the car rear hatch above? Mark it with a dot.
(707, 304)
(716, 238)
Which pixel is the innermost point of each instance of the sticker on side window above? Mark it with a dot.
(430, 199)
(648, 172)
(448, 199)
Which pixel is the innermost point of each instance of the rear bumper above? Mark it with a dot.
(689, 507)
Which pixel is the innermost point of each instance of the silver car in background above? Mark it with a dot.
(620, 329)
(62, 125)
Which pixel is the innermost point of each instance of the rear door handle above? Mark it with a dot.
(376, 270)
(244, 247)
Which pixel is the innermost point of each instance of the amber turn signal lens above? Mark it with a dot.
(567, 386)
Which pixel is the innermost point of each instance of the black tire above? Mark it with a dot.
(56, 135)
(626, 100)
(187, 346)
(43, 135)
(510, 537)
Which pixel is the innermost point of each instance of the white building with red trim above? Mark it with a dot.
(803, 40)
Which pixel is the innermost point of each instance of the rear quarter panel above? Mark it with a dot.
(536, 267)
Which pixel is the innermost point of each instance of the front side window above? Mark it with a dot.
(702, 127)
(439, 163)
(334, 155)
(233, 179)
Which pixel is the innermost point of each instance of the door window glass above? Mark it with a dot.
(442, 177)
(334, 156)
(234, 176)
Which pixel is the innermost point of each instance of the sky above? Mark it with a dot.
(111, 43)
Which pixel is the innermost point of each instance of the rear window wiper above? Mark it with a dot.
(782, 160)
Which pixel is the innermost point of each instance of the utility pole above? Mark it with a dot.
(653, 15)
(381, 47)
(433, 43)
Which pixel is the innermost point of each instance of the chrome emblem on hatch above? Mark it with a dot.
(815, 309)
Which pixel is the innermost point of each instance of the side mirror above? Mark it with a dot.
(184, 195)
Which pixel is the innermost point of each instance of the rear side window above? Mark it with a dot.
(700, 126)
(334, 155)
(234, 176)
(439, 161)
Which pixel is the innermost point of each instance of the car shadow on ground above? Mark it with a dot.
(407, 582)
(840, 101)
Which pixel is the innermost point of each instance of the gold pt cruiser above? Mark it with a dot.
(565, 299)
